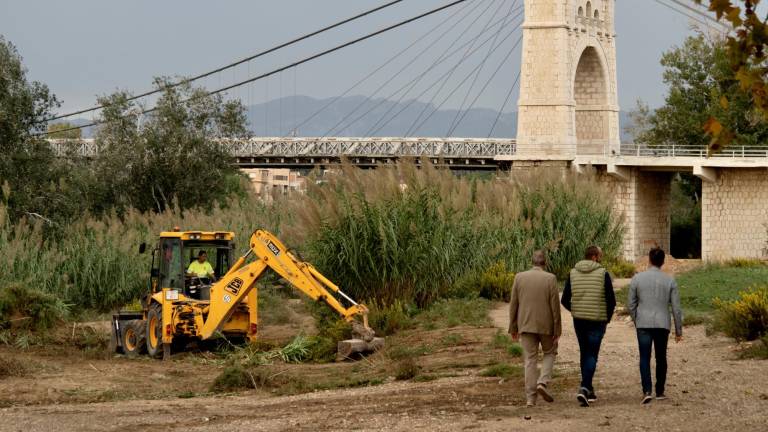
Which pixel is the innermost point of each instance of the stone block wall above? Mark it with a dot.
(735, 214)
(643, 201)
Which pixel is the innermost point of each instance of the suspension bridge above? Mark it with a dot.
(567, 113)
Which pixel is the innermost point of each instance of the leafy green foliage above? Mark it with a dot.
(620, 268)
(389, 319)
(173, 156)
(492, 283)
(746, 51)
(64, 130)
(503, 341)
(700, 79)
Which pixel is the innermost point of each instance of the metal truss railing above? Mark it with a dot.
(336, 147)
(733, 151)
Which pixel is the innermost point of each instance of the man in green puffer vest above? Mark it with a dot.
(589, 296)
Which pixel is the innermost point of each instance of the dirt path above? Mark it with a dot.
(708, 391)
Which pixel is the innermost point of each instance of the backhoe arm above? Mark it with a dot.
(269, 252)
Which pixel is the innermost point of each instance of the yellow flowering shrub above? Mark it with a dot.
(745, 318)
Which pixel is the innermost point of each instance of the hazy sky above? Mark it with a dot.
(82, 48)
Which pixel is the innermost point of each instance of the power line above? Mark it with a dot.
(237, 63)
(297, 63)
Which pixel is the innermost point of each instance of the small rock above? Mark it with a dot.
(527, 417)
(763, 396)
(605, 423)
(685, 391)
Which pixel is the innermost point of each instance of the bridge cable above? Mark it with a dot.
(506, 101)
(440, 89)
(699, 11)
(687, 15)
(440, 60)
(389, 61)
(453, 125)
(487, 83)
(294, 64)
(461, 84)
(438, 80)
(237, 63)
(419, 78)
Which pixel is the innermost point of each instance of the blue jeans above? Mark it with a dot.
(658, 339)
(590, 335)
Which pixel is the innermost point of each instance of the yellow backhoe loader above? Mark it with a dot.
(181, 307)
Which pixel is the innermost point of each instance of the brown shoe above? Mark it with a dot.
(542, 391)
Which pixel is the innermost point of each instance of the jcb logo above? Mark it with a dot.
(234, 286)
(273, 247)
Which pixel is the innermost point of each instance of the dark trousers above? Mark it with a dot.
(656, 338)
(590, 335)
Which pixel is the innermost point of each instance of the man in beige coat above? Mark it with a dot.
(534, 319)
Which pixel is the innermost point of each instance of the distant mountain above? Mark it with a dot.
(373, 117)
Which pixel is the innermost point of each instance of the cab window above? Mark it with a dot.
(171, 273)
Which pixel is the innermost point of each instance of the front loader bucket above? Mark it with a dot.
(350, 348)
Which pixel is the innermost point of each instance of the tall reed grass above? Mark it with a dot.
(94, 263)
(407, 234)
(396, 234)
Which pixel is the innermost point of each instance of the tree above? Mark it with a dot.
(64, 131)
(173, 155)
(700, 78)
(746, 52)
(27, 165)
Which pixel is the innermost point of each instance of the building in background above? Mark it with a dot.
(276, 180)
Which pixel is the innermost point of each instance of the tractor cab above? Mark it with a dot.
(176, 250)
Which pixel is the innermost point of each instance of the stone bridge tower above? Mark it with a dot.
(568, 103)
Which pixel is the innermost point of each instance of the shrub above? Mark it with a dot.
(493, 283)
(758, 350)
(387, 320)
(620, 268)
(22, 307)
(745, 318)
(10, 367)
(406, 369)
(233, 378)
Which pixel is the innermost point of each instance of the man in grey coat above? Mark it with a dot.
(534, 320)
(650, 295)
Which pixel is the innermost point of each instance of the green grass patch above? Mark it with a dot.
(504, 342)
(456, 312)
(700, 287)
(502, 370)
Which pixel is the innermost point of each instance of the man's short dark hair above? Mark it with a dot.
(539, 258)
(656, 256)
(201, 253)
(592, 252)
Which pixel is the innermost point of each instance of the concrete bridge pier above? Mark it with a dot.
(734, 213)
(642, 198)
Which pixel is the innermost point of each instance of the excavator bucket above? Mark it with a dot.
(364, 341)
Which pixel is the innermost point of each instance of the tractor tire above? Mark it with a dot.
(154, 331)
(133, 338)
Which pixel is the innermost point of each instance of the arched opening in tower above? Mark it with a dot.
(591, 96)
